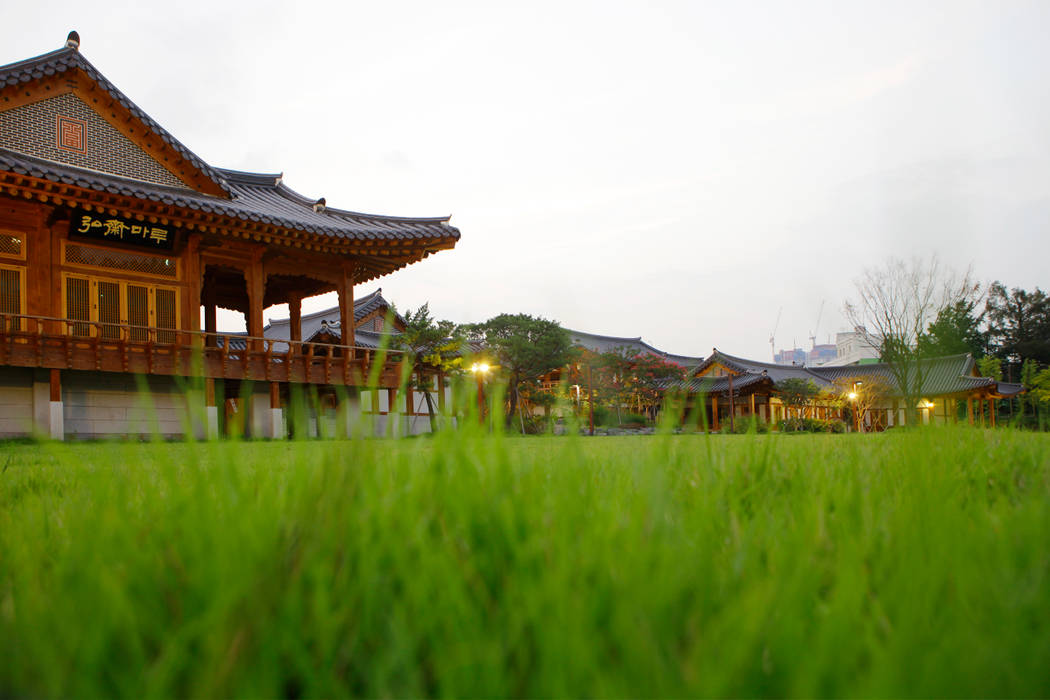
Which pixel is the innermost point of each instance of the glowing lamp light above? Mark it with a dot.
(481, 367)
(853, 396)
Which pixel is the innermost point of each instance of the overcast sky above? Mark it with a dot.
(676, 170)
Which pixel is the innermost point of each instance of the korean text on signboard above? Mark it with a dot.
(121, 230)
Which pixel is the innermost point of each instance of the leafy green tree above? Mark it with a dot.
(1018, 325)
(435, 346)
(991, 366)
(797, 393)
(957, 329)
(524, 347)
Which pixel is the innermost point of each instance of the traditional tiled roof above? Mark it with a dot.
(250, 197)
(327, 319)
(254, 197)
(69, 58)
(637, 346)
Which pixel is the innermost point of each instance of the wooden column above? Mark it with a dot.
(714, 411)
(256, 279)
(346, 302)
(295, 319)
(751, 398)
(441, 391)
(191, 261)
(991, 410)
(210, 324)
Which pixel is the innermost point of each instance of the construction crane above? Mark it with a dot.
(813, 333)
(772, 342)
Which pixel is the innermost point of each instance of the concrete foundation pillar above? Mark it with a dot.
(211, 411)
(56, 423)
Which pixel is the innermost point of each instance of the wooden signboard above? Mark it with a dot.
(117, 229)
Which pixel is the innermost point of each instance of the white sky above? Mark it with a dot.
(674, 170)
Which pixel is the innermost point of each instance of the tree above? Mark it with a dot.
(1018, 325)
(434, 346)
(956, 330)
(797, 393)
(647, 377)
(524, 347)
(861, 393)
(898, 302)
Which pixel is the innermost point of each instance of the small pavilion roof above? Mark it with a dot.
(328, 319)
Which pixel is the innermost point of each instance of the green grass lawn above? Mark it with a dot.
(908, 564)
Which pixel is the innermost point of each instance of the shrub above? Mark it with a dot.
(747, 424)
(811, 425)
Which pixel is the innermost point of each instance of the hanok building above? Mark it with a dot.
(114, 236)
(725, 385)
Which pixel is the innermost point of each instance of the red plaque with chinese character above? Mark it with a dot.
(71, 134)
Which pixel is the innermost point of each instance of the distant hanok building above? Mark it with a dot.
(725, 385)
(114, 237)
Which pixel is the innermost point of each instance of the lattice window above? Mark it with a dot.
(109, 309)
(138, 312)
(11, 244)
(11, 297)
(120, 260)
(78, 304)
(165, 299)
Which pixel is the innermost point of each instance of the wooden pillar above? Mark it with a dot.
(256, 280)
(345, 289)
(751, 398)
(56, 422)
(441, 391)
(191, 261)
(210, 324)
(714, 411)
(409, 399)
(991, 410)
(295, 319)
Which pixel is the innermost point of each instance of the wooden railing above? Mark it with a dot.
(60, 343)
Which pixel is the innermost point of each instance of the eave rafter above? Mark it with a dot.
(375, 257)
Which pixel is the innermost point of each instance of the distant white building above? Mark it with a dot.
(856, 347)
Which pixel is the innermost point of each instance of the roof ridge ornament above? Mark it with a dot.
(319, 205)
(73, 40)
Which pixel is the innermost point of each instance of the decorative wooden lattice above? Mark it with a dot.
(78, 304)
(165, 299)
(11, 296)
(10, 244)
(121, 260)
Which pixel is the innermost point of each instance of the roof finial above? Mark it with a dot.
(319, 205)
(73, 40)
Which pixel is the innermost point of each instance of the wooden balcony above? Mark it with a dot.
(58, 343)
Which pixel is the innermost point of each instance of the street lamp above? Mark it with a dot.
(853, 398)
(480, 369)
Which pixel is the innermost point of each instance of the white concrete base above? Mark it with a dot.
(276, 424)
(56, 424)
(211, 417)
